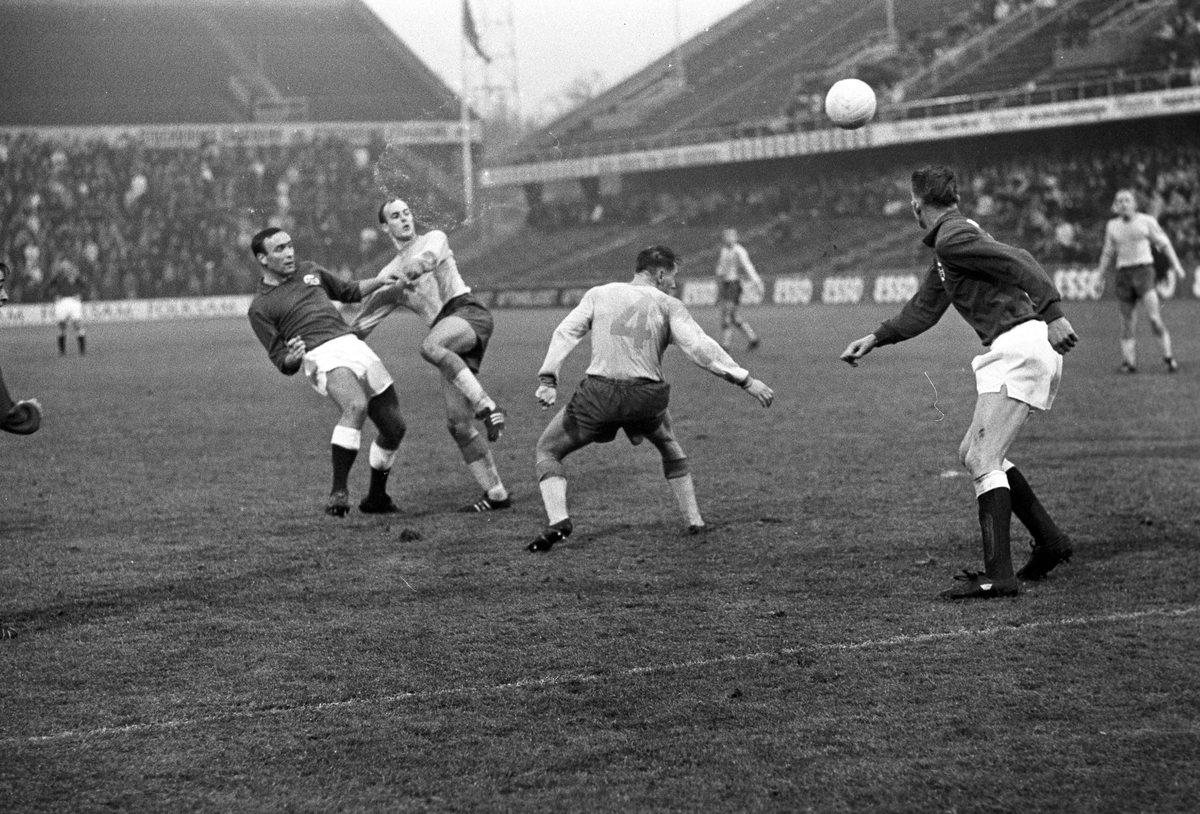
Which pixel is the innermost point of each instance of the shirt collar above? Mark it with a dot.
(931, 237)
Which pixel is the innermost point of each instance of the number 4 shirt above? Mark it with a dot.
(631, 327)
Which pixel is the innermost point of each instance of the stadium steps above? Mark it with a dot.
(1005, 55)
(1116, 38)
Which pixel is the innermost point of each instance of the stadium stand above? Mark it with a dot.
(137, 138)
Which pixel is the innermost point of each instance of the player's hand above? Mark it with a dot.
(1180, 273)
(546, 395)
(760, 391)
(1062, 336)
(295, 354)
(858, 349)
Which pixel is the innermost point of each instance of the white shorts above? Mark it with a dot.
(1021, 360)
(68, 309)
(349, 352)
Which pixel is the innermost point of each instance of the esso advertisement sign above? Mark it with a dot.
(1079, 284)
(895, 288)
(792, 291)
(842, 290)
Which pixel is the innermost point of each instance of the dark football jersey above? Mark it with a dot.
(301, 306)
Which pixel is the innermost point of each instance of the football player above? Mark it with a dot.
(294, 317)
(459, 330)
(1128, 240)
(733, 264)
(631, 325)
(68, 289)
(1010, 301)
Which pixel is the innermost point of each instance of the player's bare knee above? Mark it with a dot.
(549, 468)
(675, 468)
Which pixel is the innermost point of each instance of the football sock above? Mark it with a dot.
(554, 497)
(344, 448)
(1165, 342)
(1129, 351)
(748, 331)
(62, 344)
(727, 337)
(459, 375)
(1029, 509)
(995, 512)
(82, 341)
(381, 461)
(685, 494)
(485, 474)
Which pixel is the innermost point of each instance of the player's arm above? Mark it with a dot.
(1160, 241)
(1108, 254)
(434, 248)
(287, 355)
(918, 315)
(569, 333)
(749, 271)
(21, 417)
(706, 352)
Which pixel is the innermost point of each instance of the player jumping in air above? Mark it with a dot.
(22, 417)
(733, 264)
(1010, 301)
(459, 330)
(1127, 242)
(631, 325)
(294, 317)
(68, 288)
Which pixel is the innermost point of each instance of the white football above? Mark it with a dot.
(850, 103)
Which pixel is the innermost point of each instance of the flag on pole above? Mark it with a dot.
(471, 33)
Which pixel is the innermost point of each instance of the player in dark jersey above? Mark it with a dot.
(1010, 301)
(294, 317)
(22, 417)
(68, 288)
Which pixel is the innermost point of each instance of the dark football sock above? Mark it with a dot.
(995, 515)
(378, 488)
(82, 340)
(62, 345)
(1029, 509)
(343, 459)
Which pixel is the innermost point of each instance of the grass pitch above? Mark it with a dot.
(195, 635)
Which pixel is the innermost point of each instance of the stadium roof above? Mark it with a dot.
(106, 62)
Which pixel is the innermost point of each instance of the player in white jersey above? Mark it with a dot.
(1127, 241)
(631, 326)
(733, 264)
(459, 330)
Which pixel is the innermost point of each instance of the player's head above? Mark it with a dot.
(272, 248)
(660, 263)
(397, 219)
(66, 268)
(933, 188)
(729, 236)
(3, 282)
(1125, 203)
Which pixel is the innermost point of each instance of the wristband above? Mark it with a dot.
(745, 384)
(548, 379)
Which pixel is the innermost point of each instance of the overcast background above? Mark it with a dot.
(557, 41)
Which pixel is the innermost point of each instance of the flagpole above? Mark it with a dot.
(468, 167)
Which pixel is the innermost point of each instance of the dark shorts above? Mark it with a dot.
(1134, 281)
(602, 406)
(464, 306)
(729, 291)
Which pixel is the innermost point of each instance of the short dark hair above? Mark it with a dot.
(935, 185)
(256, 242)
(384, 205)
(655, 257)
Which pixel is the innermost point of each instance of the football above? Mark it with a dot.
(850, 103)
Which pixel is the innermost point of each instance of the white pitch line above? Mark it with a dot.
(591, 678)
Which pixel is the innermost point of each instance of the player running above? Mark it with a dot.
(733, 264)
(459, 330)
(294, 317)
(22, 417)
(68, 288)
(1013, 306)
(631, 325)
(1127, 242)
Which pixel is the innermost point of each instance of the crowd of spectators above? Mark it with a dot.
(143, 221)
(1176, 44)
(1054, 205)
